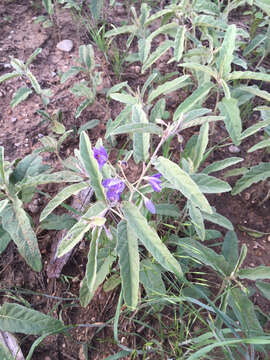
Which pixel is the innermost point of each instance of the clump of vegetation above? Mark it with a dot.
(149, 234)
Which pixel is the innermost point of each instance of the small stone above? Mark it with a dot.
(234, 149)
(33, 208)
(17, 144)
(53, 73)
(40, 136)
(13, 119)
(26, 120)
(65, 45)
(7, 66)
(268, 238)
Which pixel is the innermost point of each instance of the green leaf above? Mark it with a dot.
(104, 262)
(4, 239)
(168, 87)
(124, 98)
(155, 55)
(260, 145)
(58, 177)
(254, 128)
(210, 184)
(203, 254)
(264, 288)
(181, 181)
(222, 164)
(58, 222)
(243, 309)
(257, 273)
(20, 95)
(218, 219)
(30, 165)
(230, 249)
(88, 125)
(9, 76)
(2, 167)
(121, 30)
(197, 220)
(229, 108)
(76, 233)
(167, 210)
(61, 197)
(16, 318)
(128, 252)
(73, 71)
(141, 128)
(81, 107)
(197, 96)
(34, 82)
(91, 166)
(225, 57)
(248, 75)
(141, 142)
(87, 56)
(96, 7)
(48, 6)
(179, 43)
(150, 238)
(116, 88)
(150, 277)
(255, 174)
(16, 222)
(254, 90)
(198, 67)
(33, 56)
(91, 267)
(201, 146)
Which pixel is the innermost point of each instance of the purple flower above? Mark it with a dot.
(115, 188)
(155, 181)
(150, 206)
(101, 156)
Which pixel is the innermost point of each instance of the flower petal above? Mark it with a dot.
(150, 206)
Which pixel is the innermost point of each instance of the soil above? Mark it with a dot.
(22, 129)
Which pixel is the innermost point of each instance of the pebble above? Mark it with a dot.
(234, 149)
(65, 45)
(13, 119)
(40, 136)
(17, 144)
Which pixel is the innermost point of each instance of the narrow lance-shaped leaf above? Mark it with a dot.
(128, 252)
(16, 222)
(140, 128)
(2, 170)
(91, 267)
(249, 75)
(62, 196)
(260, 145)
(220, 165)
(155, 55)
(255, 174)
(168, 87)
(20, 95)
(58, 177)
(257, 273)
(225, 57)
(141, 142)
(201, 146)
(181, 181)
(230, 109)
(16, 318)
(197, 220)
(77, 232)
(150, 239)
(179, 43)
(197, 96)
(91, 166)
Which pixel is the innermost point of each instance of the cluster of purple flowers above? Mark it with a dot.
(115, 186)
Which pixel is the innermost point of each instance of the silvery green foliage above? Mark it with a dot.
(88, 87)
(23, 71)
